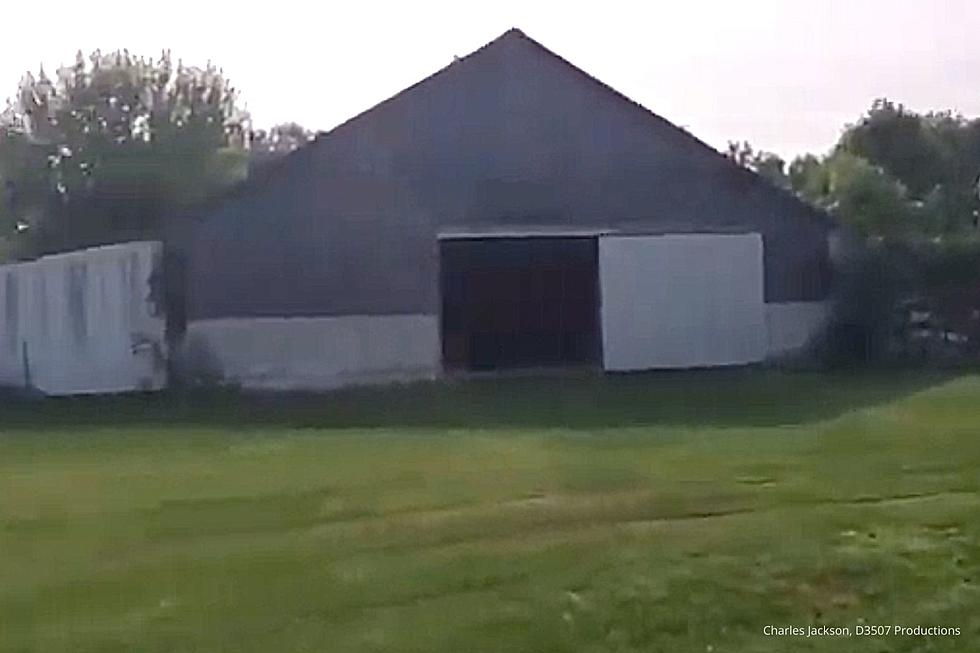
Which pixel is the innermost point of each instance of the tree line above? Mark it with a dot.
(114, 143)
(893, 174)
(906, 184)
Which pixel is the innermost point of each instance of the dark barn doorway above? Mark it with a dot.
(519, 302)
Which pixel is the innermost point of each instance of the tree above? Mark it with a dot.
(766, 164)
(866, 197)
(857, 192)
(935, 156)
(267, 146)
(809, 178)
(113, 146)
(900, 142)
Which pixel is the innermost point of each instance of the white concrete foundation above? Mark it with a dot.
(791, 326)
(83, 322)
(313, 353)
(678, 301)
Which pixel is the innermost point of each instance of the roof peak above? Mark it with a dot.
(678, 135)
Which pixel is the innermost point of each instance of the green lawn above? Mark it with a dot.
(669, 512)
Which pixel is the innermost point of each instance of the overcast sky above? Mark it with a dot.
(784, 75)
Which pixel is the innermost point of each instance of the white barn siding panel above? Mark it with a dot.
(678, 301)
(83, 322)
(313, 353)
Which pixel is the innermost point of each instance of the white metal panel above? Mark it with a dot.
(681, 300)
(83, 322)
(314, 353)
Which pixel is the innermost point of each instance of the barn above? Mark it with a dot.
(509, 211)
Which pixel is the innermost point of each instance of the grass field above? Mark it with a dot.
(671, 512)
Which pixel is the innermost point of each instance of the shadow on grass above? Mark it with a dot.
(580, 400)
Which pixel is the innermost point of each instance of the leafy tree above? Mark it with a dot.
(768, 165)
(267, 146)
(902, 143)
(114, 144)
(936, 157)
(894, 173)
(810, 178)
(866, 197)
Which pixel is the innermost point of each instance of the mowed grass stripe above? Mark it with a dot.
(523, 533)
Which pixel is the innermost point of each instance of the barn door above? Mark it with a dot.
(685, 300)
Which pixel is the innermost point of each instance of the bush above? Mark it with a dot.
(903, 299)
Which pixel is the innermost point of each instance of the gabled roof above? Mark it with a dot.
(514, 34)
(666, 129)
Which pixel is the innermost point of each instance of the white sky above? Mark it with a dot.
(785, 75)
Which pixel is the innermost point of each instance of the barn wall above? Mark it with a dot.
(312, 353)
(510, 137)
(791, 326)
(516, 137)
(83, 322)
(312, 245)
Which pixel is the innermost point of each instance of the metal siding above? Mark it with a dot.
(681, 301)
(313, 352)
(83, 322)
(507, 138)
(294, 253)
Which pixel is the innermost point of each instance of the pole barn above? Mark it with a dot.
(508, 211)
